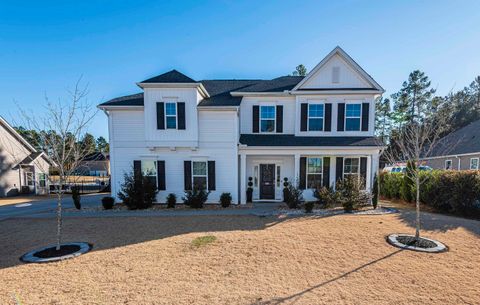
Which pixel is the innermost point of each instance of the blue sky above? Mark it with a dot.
(45, 46)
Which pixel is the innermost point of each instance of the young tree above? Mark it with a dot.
(416, 140)
(300, 70)
(88, 143)
(66, 123)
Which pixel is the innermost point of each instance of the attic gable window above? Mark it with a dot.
(267, 118)
(335, 75)
(171, 115)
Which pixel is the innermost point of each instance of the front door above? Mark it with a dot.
(267, 185)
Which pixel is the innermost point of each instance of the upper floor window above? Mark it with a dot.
(315, 117)
(353, 114)
(267, 118)
(171, 115)
(314, 172)
(351, 167)
(474, 163)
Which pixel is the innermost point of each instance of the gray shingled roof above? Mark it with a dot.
(170, 77)
(218, 89)
(463, 141)
(292, 140)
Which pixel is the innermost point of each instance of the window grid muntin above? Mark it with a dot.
(316, 113)
(267, 119)
(171, 115)
(200, 173)
(314, 172)
(353, 114)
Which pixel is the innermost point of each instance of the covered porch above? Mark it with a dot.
(306, 167)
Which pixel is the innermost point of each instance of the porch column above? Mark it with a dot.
(243, 179)
(297, 169)
(370, 173)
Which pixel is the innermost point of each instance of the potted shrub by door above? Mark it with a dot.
(250, 189)
(285, 189)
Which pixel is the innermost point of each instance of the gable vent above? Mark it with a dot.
(335, 75)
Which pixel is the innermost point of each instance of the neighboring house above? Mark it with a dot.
(94, 164)
(313, 130)
(459, 150)
(23, 169)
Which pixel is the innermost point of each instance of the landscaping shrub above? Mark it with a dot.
(351, 193)
(408, 188)
(295, 196)
(326, 197)
(390, 185)
(171, 200)
(285, 189)
(456, 192)
(195, 198)
(76, 197)
(226, 200)
(107, 203)
(309, 206)
(137, 193)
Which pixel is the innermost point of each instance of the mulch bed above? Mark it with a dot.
(411, 241)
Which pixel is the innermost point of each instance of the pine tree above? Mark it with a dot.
(300, 70)
(383, 118)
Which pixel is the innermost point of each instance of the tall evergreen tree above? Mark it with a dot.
(383, 118)
(102, 145)
(414, 100)
(300, 70)
(88, 143)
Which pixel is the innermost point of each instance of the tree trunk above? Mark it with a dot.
(417, 207)
(59, 219)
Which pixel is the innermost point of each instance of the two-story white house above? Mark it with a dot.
(313, 130)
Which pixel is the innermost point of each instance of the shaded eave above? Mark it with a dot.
(199, 86)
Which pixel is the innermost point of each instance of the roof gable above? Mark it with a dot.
(338, 71)
(169, 77)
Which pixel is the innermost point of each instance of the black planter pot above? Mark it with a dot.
(285, 195)
(249, 194)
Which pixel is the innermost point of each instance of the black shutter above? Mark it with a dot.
(137, 172)
(256, 119)
(365, 114)
(279, 118)
(181, 115)
(160, 116)
(339, 169)
(363, 170)
(328, 117)
(161, 175)
(211, 175)
(341, 117)
(187, 175)
(303, 173)
(303, 116)
(326, 171)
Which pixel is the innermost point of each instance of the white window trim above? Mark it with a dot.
(40, 179)
(471, 159)
(206, 173)
(451, 164)
(27, 174)
(274, 119)
(307, 173)
(171, 115)
(322, 117)
(343, 169)
(352, 117)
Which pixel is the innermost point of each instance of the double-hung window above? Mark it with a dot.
(315, 117)
(199, 174)
(353, 117)
(267, 118)
(149, 170)
(29, 178)
(314, 172)
(448, 164)
(171, 115)
(474, 163)
(42, 179)
(351, 167)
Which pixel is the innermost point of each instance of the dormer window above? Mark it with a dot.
(315, 117)
(267, 118)
(352, 117)
(171, 115)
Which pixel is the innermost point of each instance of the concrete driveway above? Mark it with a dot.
(36, 206)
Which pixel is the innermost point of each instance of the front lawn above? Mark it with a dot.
(243, 260)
